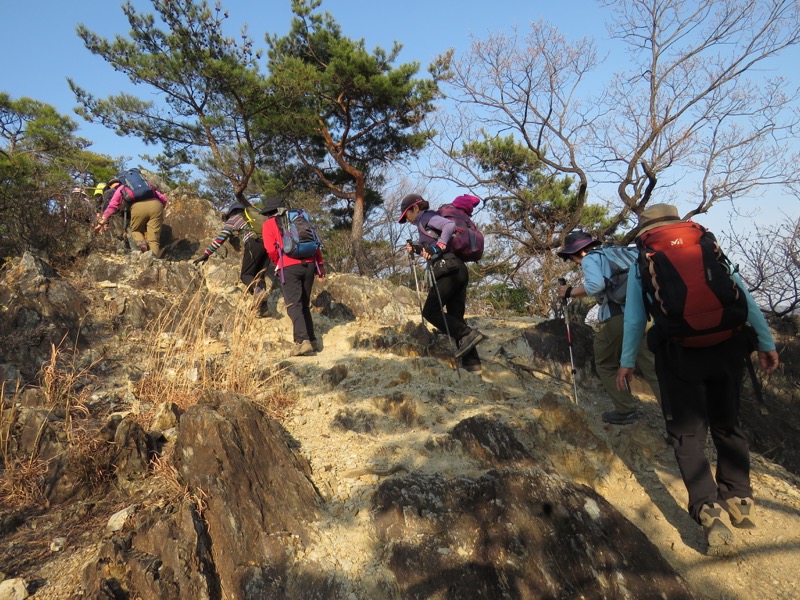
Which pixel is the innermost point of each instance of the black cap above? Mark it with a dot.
(408, 202)
(235, 207)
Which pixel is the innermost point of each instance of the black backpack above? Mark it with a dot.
(132, 179)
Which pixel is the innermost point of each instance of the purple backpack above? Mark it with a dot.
(467, 240)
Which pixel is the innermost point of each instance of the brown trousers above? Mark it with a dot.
(147, 217)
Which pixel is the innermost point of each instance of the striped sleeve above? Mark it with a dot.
(232, 226)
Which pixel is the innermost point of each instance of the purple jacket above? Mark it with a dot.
(429, 223)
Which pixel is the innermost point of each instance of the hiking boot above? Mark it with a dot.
(301, 349)
(620, 418)
(143, 247)
(317, 345)
(473, 368)
(719, 539)
(262, 311)
(468, 342)
(741, 512)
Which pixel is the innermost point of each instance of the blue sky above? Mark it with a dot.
(47, 49)
(50, 51)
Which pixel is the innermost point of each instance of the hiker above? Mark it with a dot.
(118, 224)
(244, 221)
(296, 277)
(98, 197)
(700, 362)
(146, 215)
(604, 275)
(446, 302)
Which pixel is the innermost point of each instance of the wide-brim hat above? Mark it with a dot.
(657, 215)
(408, 202)
(272, 204)
(575, 242)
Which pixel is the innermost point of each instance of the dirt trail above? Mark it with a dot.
(389, 413)
(643, 483)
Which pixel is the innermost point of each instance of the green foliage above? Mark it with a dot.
(42, 162)
(529, 206)
(214, 98)
(345, 111)
(507, 300)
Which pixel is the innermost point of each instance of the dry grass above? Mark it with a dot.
(8, 416)
(185, 359)
(66, 386)
(23, 481)
(176, 490)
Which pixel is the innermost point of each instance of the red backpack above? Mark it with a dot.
(688, 285)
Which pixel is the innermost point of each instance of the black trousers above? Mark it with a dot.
(453, 293)
(702, 388)
(298, 281)
(255, 261)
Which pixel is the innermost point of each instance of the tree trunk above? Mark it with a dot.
(358, 227)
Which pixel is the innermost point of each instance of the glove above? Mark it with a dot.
(201, 259)
(433, 249)
(320, 271)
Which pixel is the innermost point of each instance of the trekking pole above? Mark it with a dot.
(416, 284)
(563, 281)
(453, 362)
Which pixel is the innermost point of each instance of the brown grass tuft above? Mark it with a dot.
(186, 360)
(23, 481)
(176, 490)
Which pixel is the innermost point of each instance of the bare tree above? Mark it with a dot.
(686, 111)
(769, 263)
(526, 89)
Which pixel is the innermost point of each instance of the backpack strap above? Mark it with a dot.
(620, 261)
(425, 228)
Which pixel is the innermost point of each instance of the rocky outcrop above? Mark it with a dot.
(516, 530)
(514, 533)
(254, 502)
(37, 308)
(352, 297)
(189, 224)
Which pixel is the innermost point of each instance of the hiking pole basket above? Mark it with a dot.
(563, 281)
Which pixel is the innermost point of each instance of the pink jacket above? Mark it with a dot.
(118, 199)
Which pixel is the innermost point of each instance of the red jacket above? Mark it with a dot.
(271, 235)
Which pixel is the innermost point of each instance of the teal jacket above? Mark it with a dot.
(636, 319)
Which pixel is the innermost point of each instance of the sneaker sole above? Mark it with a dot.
(743, 523)
(739, 520)
(719, 539)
